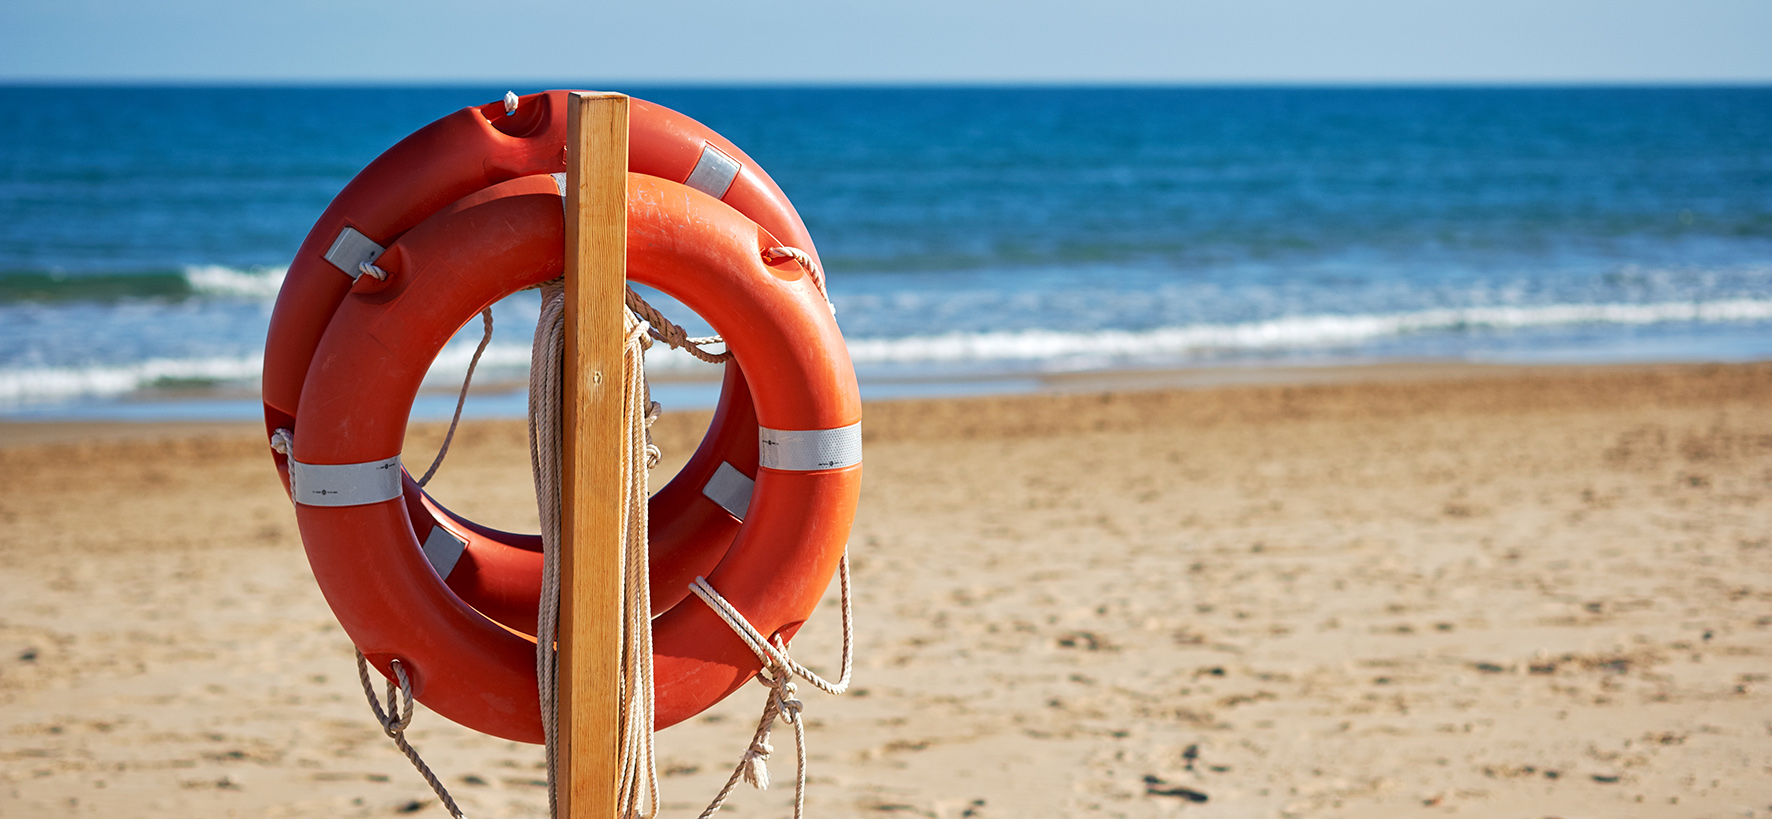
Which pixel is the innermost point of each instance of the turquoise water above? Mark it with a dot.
(975, 237)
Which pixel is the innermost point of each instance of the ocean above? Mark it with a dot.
(976, 239)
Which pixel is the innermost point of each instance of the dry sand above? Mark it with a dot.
(1490, 593)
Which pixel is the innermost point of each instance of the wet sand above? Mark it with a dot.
(1475, 591)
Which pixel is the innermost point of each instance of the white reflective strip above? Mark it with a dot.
(713, 173)
(443, 549)
(809, 450)
(560, 184)
(345, 484)
(731, 489)
(350, 250)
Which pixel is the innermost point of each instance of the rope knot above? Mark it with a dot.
(782, 690)
(282, 440)
(641, 332)
(673, 334)
(790, 708)
(369, 269)
(777, 673)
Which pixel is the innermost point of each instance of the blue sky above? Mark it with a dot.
(891, 41)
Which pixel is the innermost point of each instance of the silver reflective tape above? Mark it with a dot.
(713, 173)
(809, 450)
(350, 250)
(560, 183)
(731, 489)
(345, 484)
(443, 549)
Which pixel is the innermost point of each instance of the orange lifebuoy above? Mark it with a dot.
(455, 601)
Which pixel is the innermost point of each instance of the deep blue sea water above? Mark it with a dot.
(969, 233)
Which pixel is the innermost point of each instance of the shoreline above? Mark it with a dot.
(22, 431)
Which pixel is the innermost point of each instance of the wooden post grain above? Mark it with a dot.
(591, 468)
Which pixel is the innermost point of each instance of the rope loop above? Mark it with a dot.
(778, 673)
(774, 653)
(395, 719)
(776, 254)
(399, 716)
(369, 269)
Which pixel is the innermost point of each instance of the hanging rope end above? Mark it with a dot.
(755, 765)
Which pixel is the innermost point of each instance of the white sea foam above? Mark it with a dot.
(25, 385)
(51, 383)
(232, 282)
(31, 385)
(1283, 333)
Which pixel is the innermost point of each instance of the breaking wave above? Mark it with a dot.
(1295, 332)
(191, 281)
(24, 385)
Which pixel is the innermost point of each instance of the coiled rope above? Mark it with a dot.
(545, 371)
(637, 777)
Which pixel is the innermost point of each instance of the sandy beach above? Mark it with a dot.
(1411, 591)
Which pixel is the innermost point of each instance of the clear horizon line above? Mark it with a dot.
(459, 82)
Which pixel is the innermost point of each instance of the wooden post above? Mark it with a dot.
(591, 463)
